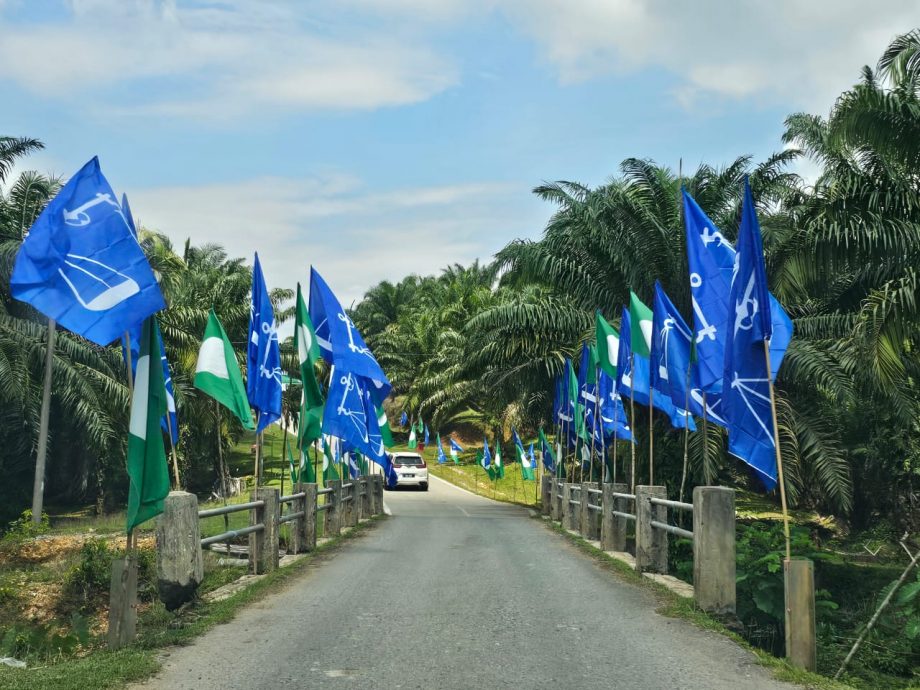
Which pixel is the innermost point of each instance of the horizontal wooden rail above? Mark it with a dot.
(290, 517)
(292, 497)
(324, 506)
(628, 516)
(630, 497)
(323, 492)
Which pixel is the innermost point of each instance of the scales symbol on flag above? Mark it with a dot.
(709, 237)
(746, 309)
(79, 216)
(272, 333)
(351, 341)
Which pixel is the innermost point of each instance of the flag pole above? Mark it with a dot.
(224, 479)
(632, 420)
(614, 468)
(651, 439)
(258, 453)
(38, 486)
(597, 398)
(683, 476)
(779, 455)
(129, 537)
(172, 449)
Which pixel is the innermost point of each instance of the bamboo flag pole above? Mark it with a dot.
(651, 439)
(614, 468)
(683, 475)
(172, 450)
(38, 486)
(129, 537)
(255, 470)
(224, 479)
(779, 455)
(632, 422)
(597, 398)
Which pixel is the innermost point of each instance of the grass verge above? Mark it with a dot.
(158, 628)
(673, 606)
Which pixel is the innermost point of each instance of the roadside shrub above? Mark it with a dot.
(42, 642)
(22, 528)
(90, 578)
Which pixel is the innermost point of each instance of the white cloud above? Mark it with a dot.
(354, 237)
(800, 53)
(225, 59)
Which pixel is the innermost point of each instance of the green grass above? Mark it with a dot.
(673, 606)
(158, 628)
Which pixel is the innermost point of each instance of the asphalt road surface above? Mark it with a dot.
(457, 591)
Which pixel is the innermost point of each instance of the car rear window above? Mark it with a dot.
(407, 460)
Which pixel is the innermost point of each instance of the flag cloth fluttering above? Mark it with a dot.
(81, 265)
(485, 458)
(608, 345)
(310, 425)
(263, 357)
(413, 439)
(549, 462)
(497, 465)
(294, 468)
(170, 421)
(455, 450)
(147, 469)
(218, 373)
(442, 458)
(330, 474)
(404, 419)
(526, 464)
(669, 361)
(386, 434)
(746, 390)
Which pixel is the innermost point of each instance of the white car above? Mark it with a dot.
(411, 470)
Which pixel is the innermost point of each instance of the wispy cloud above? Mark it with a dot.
(354, 236)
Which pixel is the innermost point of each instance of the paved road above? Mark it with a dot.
(457, 591)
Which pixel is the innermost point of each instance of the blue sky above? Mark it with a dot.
(374, 138)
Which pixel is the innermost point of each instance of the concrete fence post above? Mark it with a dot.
(620, 524)
(546, 493)
(570, 514)
(800, 613)
(299, 526)
(363, 512)
(334, 511)
(347, 503)
(651, 543)
(588, 517)
(378, 494)
(714, 548)
(179, 564)
(353, 505)
(264, 545)
(307, 538)
(554, 504)
(123, 602)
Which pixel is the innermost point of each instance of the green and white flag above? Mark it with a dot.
(148, 472)
(526, 464)
(499, 465)
(608, 345)
(413, 439)
(307, 472)
(641, 337)
(311, 402)
(386, 436)
(330, 474)
(218, 373)
(579, 412)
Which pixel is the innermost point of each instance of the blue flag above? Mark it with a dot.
(486, 455)
(263, 358)
(339, 341)
(81, 265)
(613, 415)
(404, 419)
(567, 405)
(426, 435)
(442, 458)
(671, 368)
(354, 469)
(711, 259)
(173, 421)
(126, 211)
(558, 395)
(746, 394)
(517, 440)
(455, 446)
(549, 460)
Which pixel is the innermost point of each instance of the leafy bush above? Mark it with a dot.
(761, 549)
(22, 528)
(90, 578)
(42, 642)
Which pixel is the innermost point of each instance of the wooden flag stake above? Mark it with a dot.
(779, 455)
(38, 486)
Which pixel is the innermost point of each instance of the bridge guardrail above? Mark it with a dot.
(606, 511)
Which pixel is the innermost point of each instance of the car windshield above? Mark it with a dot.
(407, 460)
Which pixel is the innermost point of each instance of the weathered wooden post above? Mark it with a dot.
(345, 503)
(334, 511)
(546, 493)
(800, 613)
(123, 602)
(179, 564)
(352, 511)
(361, 499)
(264, 544)
(588, 516)
(306, 539)
(651, 543)
(554, 503)
(714, 548)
